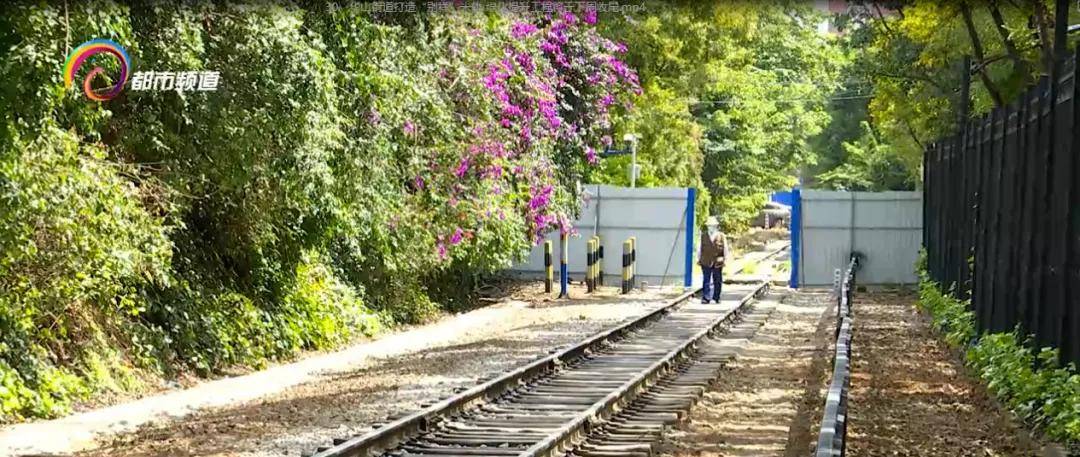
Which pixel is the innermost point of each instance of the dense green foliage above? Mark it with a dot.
(1030, 383)
(904, 69)
(733, 94)
(351, 171)
(356, 170)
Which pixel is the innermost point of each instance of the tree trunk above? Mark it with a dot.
(977, 49)
(1019, 64)
(1042, 24)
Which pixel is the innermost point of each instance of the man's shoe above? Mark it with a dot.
(704, 302)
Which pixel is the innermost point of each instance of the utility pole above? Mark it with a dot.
(630, 141)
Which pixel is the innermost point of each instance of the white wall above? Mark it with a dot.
(655, 215)
(886, 227)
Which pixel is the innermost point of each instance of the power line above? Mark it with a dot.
(727, 102)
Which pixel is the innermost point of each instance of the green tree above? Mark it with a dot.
(752, 76)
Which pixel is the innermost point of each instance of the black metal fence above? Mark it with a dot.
(1002, 214)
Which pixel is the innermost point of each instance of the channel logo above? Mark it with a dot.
(90, 48)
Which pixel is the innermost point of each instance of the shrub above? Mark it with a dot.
(352, 171)
(1031, 384)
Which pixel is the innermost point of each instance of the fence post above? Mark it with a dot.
(548, 268)
(633, 262)
(564, 272)
(796, 235)
(688, 265)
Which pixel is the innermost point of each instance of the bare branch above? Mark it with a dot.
(1042, 19)
(977, 48)
(1019, 64)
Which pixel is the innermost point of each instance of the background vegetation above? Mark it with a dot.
(357, 170)
(1032, 384)
(901, 85)
(733, 94)
(352, 171)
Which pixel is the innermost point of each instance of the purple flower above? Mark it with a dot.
(520, 30)
(550, 113)
(462, 168)
(541, 199)
(456, 237)
(561, 59)
(419, 182)
(558, 36)
(409, 128)
(512, 110)
(374, 117)
(440, 249)
(619, 67)
(590, 154)
(590, 17)
(526, 62)
(549, 47)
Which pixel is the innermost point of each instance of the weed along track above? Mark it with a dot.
(609, 395)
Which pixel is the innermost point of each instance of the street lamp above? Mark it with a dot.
(630, 141)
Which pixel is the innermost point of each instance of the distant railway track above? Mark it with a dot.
(609, 395)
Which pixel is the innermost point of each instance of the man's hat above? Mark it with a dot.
(712, 221)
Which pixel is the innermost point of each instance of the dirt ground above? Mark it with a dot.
(346, 403)
(309, 402)
(910, 394)
(760, 406)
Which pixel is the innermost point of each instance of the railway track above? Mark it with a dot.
(610, 395)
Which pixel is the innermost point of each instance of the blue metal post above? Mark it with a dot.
(796, 235)
(564, 270)
(688, 268)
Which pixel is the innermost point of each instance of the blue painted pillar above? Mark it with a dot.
(564, 269)
(796, 236)
(688, 273)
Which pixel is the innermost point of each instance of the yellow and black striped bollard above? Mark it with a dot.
(626, 266)
(589, 266)
(633, 262)
(592, 266)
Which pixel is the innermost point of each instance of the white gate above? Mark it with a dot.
(657, 216)
(886, 227)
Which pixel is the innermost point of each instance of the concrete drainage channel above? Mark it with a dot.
(609, 395)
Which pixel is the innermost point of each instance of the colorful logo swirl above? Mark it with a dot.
(83, 52)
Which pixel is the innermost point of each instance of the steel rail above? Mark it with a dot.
(396, 432)
(600, 411)
(427, 420)
(832, 435)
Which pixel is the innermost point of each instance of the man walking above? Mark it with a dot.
(713, 253)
